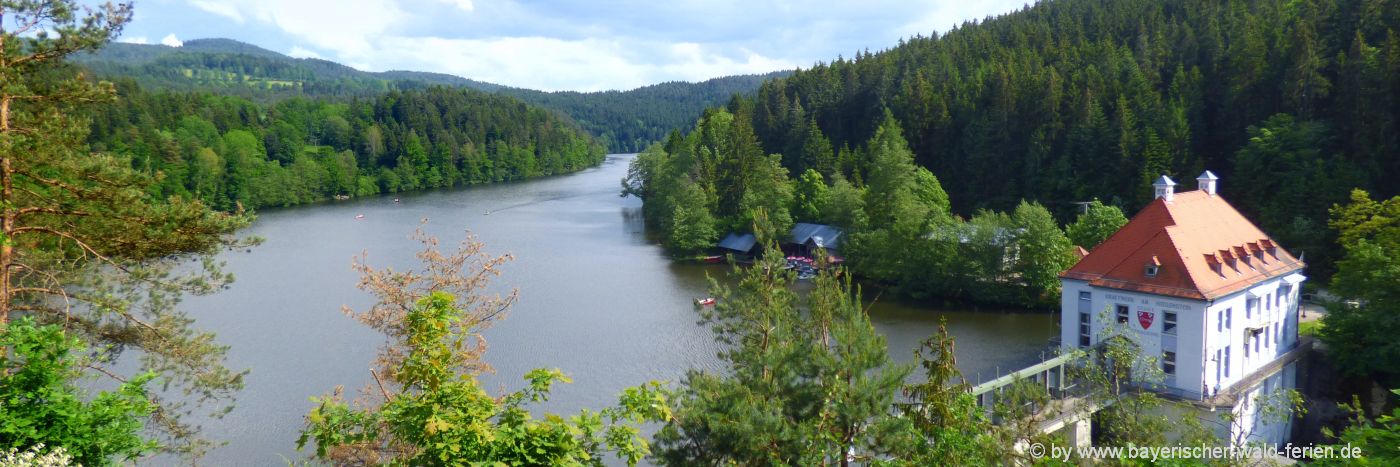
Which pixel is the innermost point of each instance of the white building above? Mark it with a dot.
(1206, 291)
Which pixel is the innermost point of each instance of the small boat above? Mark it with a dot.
(705, 301)
(396, 200)
(713, 259)
(361, 216)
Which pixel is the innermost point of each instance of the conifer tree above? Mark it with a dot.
(84, 241)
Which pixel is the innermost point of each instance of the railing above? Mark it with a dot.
(1051, 375)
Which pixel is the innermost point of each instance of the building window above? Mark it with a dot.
(1219, 320)
(1227, 361)
(1150, 270)
(1246, 345)
(1084, 340)
(1085, 300)
(1256, 342)
(1229, 313)
(1217, 367)
(1266, 337)
(1249, 307)
(1122, 312)
(1276, 334)
(1169, 323)
(1169, 362)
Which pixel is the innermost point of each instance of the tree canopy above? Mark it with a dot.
(87, 244)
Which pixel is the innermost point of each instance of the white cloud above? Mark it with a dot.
(299, 52)
(464, 5)
(616, 44)
(584, 65)
(344, 27)
(220, 8)
(135, 40)
(172, 41)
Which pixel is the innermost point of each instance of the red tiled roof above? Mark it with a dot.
(1206, 249)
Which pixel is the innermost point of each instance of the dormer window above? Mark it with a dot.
(1214, 263)
(1152, 267)
(1257, 251)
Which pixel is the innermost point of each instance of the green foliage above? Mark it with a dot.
(1360, 326)
(1287, 181)
(1095, 225)
(1112, 375)
(692, 229)
(899, 231)
(949, 428)
(1378, 440)
(801, 387)
(36, 456)
(810, 196)
(1079, 99)
(437, 412)
(91, 240)
(769, 191)
(230, 152)
(844, 206)
(625, 121)
(42, 404)
(1042, 252)
(698, 186)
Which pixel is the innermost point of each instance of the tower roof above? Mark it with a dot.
(1203, 247)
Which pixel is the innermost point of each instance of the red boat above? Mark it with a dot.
(705, 301)
(713, 259)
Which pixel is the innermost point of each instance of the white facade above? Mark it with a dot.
(1204, 347)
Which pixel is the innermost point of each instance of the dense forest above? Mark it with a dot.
(899, 229)
(625, 121)
(1292, 103)
(629, 121)
(98, 237)
(230, 152)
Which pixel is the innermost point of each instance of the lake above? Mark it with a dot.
(597, 300)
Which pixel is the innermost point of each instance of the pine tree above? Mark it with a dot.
(84, 241)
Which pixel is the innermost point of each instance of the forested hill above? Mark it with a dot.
(623, 120)
(235, 68)
(628, 121)
(234, 153)
(1293, 103)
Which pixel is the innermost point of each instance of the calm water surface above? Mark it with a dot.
(597, 300)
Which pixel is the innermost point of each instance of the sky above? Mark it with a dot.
(561, 45)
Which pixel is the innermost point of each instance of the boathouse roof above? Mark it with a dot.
(742, 243)
(823, 235)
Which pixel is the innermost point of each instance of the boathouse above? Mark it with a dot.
(1202, 289)
(743, 244)
(806, 238)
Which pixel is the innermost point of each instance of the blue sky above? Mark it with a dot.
(561, 45)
